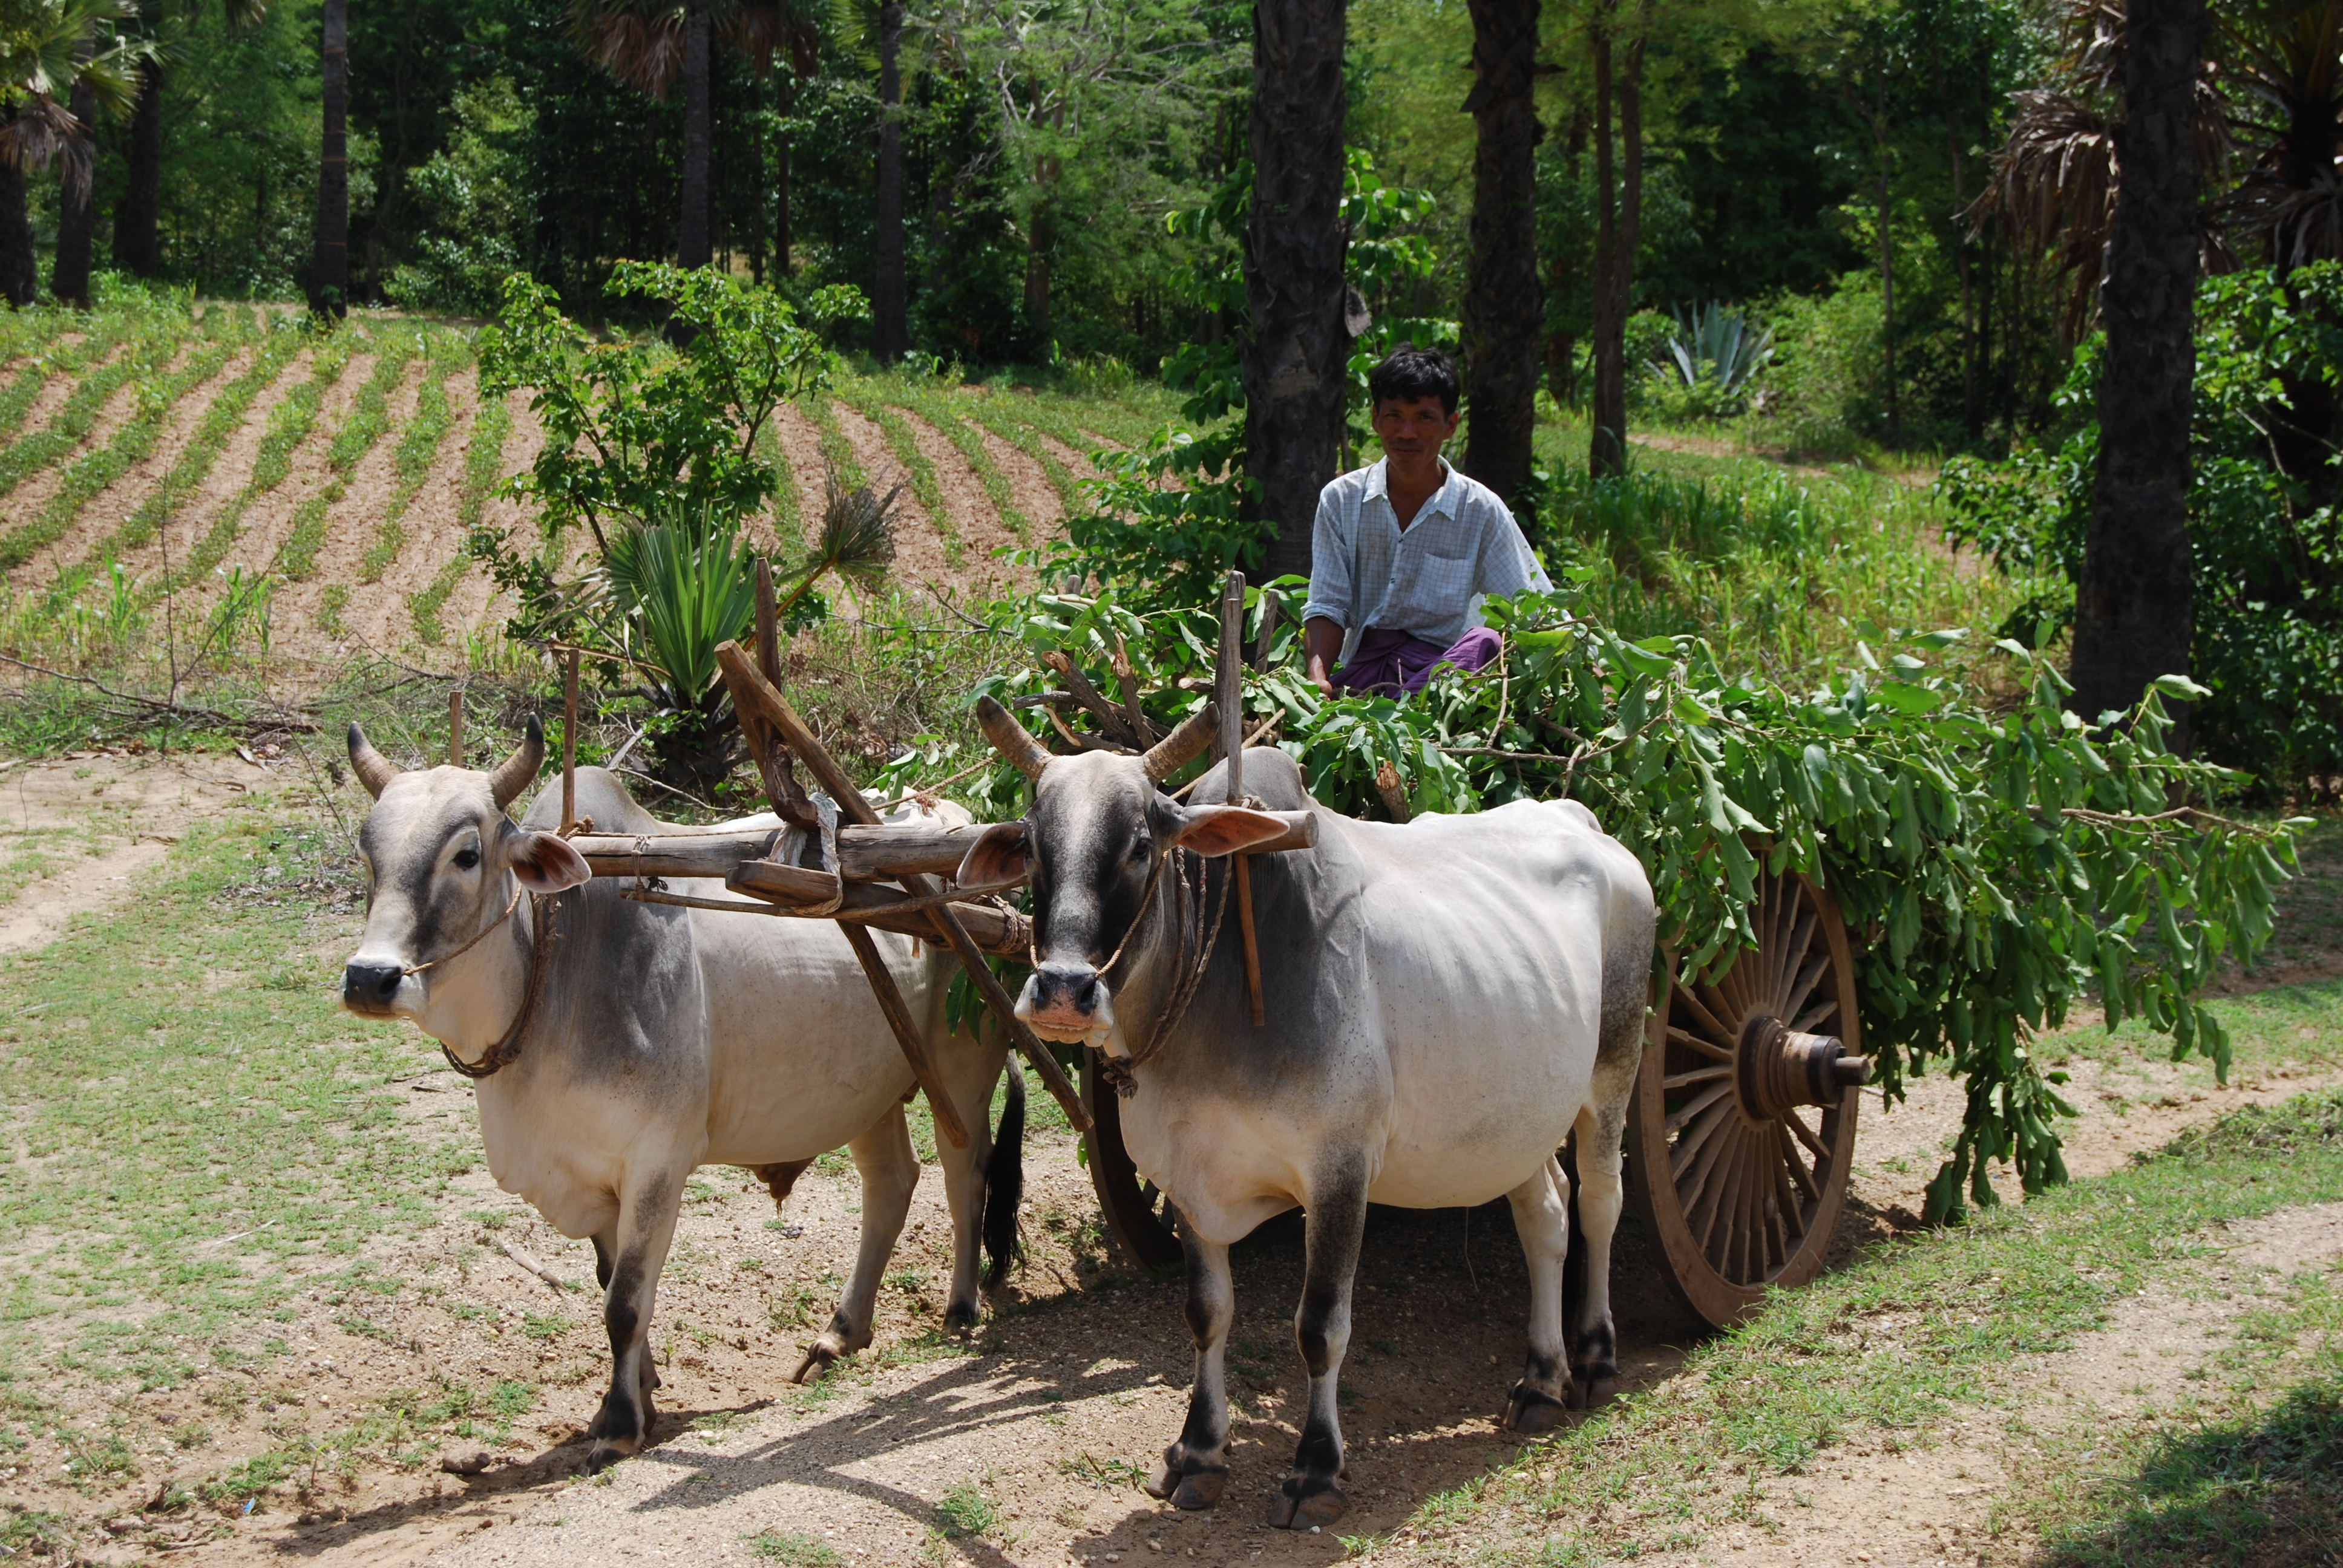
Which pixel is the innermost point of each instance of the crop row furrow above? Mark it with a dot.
(837, 452)
(416, 450)
(1027, 439)
(288, 424)
(32, 452)
(788, 520)
(368, 417)
(222, 419)
(484, 470)
(921, 473)
(969, 442)
(133, 443)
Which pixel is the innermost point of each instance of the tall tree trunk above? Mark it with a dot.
(1503, 309)
(890, 312)
(1972, 417)
(756, 195)
(76, 217)
(692, 248)
(2132, 609)
(1618, 219)
(1296, 358)
(137, 249)
(782, 237)
(1886, 257)
(20, 269)
(1037, 271)
(329, 270)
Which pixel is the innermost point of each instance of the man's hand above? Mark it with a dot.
(1322, 644)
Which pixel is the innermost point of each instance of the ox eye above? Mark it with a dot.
(465, 859)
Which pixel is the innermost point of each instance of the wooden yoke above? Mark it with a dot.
(751, 692)
(1229, 694)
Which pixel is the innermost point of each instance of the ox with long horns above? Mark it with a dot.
(1445, 1002)
(618, 1045)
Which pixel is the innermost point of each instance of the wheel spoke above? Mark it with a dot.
(1705, 1173)
(1797, 1167)
(1743, 1241)
(1815, 1015)
(1694, 1109)
(1689, 1146)
(1793, 962)
(1685, 1037)
(1804, 987)
(1797, 1124)
(1779, 940)
(1697, 1075)
(1708, 1019)
(1714, 1194)
(1785, 1195)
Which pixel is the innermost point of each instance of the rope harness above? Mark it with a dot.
(1194, 939)
(501, 1055)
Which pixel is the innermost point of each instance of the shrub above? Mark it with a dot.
(1826, 383)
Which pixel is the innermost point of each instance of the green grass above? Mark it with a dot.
(944, 412)
(132, 443)
(1906, 1335)
(835, 451)
(789, 521)
(1005, 415)
(168, 1093)
(790, 1550)
(965, 1511)
(18, 399)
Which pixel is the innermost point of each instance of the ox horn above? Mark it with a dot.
(519, 771)
(1011, 738)
(373, 770)
(1195, 732)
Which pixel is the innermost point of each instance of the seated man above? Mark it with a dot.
(1405, 547)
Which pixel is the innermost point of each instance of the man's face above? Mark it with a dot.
(1411, 427)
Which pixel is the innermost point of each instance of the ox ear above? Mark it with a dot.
(1214, 831)
(546, 862)
(999, 858)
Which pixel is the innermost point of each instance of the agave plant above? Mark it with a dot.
(1715, 354)
(679, 588)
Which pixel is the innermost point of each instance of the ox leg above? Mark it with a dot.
(628, 1256)
(1594, 1355)
(1196, 1469)
(1312, 1494)
(969, 1075)
(1542, 1216)
(889, 1169)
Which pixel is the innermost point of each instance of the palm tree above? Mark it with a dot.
(48, 47)
(1618, 48)
(1295, 359)
(1504, 310)
(648, 44)
(329, 270)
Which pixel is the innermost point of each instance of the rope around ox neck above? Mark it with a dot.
(501, 1055)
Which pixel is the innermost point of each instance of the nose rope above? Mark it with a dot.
(501, 1055)
(467, 947)
(1189, 962)
(1146, 907)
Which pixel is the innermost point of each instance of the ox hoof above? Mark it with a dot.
(1587, 1377)
(607, 1452)
(959, 1317)
(1194, 1486)
(817, 1359)
(1319, 1504)
(1530, 1411)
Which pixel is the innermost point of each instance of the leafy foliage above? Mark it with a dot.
(1997, 868)
(2263, 517)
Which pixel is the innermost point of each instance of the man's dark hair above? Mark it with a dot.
(1409, 373)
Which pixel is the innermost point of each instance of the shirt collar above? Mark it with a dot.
(1378, 489)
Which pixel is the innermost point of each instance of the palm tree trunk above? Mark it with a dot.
(1296, 358)
(69, 274)
(781, 235)
(138, 250)
(1886, 256)
(692, 244)
(890, 311)
(20, 269)
(1503, 309)
(1618, 220)
(2132, 608)
(330, 270)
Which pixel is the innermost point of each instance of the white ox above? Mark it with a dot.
(663, 1039)
(1446, 1002)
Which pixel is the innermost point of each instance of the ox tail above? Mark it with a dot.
(1004, 1180)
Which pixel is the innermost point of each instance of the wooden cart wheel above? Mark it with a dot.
(1137, 1213)
(1742, 1124)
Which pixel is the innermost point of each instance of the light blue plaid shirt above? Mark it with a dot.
(1427, 580)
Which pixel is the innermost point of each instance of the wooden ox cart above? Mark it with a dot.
(1739, 1137)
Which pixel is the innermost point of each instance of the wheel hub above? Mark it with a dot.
(1778, 1068)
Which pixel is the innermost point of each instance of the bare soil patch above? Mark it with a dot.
(920, 556)
(352, 522)
(270, 518)
(973, 516)
(1029, 486)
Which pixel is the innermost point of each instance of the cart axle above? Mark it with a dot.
(1778, 1069)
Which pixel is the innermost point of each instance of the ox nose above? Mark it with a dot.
(1066, 988)
(370, 986)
